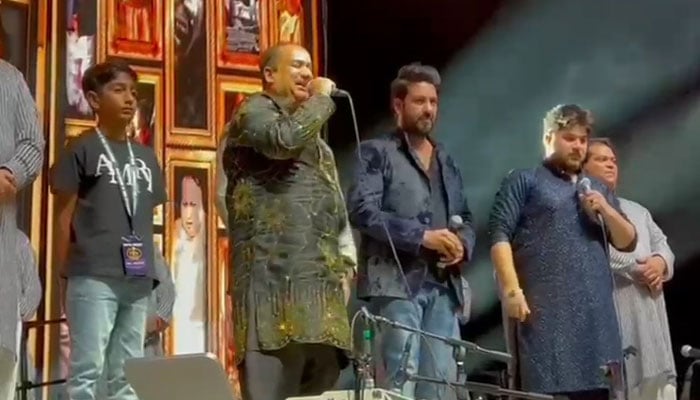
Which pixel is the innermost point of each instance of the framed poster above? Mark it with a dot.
(134, 29)
(78, 31)
(297, 21)
(147, 125)
(15, 34)
(230, 93)
(191, 237)
(190, 74)
(241, 33)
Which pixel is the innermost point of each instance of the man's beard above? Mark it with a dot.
(421, 127)
(565, 163)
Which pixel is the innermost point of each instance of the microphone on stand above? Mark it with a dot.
(402, 373)
(339, 93)
(689, 351)
(365, 359)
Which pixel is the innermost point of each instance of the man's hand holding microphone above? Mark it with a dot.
(321, 85)
(446, 242)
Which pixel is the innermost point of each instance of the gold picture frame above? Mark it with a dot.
(158, 242)
(124, 36)
(199, 165)
(76, 127)
(190, 70)
(225, 32)
(223, 257)
(147, 127)
(158, 215)
(227, 89)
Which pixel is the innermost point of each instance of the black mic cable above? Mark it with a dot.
(324, 35)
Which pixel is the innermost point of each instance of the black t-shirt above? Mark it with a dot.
(100, 218)
(438, 207)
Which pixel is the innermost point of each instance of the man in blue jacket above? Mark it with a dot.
(405, 190)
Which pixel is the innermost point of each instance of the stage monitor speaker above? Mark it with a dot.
(369, 394)
(181, 377)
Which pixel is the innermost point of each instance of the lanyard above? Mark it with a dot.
(130, 207)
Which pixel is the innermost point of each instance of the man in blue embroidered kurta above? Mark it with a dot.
(550, 258)
(406, 186)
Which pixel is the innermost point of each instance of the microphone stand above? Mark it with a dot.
(458, 343)
(483, 388)
(363, 366)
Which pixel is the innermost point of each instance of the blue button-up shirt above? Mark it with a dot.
(390, 196)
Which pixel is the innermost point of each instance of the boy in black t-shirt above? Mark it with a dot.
(107, 187)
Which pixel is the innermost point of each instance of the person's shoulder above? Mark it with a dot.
(386, 141)
(22, 240)
(258, 99)
(522, 173)
(443, 151)
(10, 72)
(597, 184)
(630, 205)
(84, 139)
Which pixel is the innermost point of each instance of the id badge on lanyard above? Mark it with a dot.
(133, 252)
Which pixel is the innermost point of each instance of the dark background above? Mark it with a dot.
(649, 107)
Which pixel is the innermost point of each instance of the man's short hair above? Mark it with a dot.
(601, 141)
(566, 116)
(270, 58)
(414, 73)
(99, 75)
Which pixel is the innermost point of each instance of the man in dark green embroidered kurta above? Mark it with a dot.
(286, 215)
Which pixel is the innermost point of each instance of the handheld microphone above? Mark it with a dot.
(584, 186)
(456, 223)
(339, 93)
(402, 374)
(453, 225)
(689, 351)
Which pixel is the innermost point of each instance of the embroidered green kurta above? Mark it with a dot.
(286, 214)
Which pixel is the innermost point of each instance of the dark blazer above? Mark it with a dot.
(390, 193)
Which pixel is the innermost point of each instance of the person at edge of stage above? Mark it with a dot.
(551, 263)
(406, 188)
(639, 279)
(286, 213)
(21, 158)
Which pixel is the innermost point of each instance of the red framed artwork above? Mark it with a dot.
(297, 21)
(135, 29)
(241, 33)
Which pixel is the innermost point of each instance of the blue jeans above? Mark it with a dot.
(433, 309)
(107, 322)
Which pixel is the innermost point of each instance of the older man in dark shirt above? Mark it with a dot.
(287, 224)
(406, 188)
